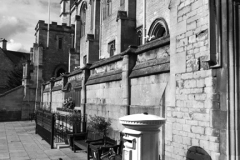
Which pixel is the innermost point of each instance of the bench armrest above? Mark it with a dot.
(108, 147)
(78, 134)
(91, 141)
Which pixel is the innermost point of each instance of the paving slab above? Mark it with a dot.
(18, 141)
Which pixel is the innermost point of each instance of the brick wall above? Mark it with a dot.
(192, 37)
(192, 120)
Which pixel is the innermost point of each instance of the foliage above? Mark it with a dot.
(74, 117)
(99, 124)
(15, 76)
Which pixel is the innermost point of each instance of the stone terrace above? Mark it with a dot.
(18, 141)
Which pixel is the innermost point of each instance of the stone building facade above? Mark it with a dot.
(51, 52)
(13, 105)
(173, 58)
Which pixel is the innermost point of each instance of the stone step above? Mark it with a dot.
(61, 145)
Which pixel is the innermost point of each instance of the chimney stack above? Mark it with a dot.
(4, 44)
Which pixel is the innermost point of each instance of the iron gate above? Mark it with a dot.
(45, 126)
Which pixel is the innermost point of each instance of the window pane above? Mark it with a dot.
(60, 43)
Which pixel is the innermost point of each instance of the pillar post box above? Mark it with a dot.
(141, 136)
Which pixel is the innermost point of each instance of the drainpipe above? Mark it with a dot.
(128, 62)
(144, 22)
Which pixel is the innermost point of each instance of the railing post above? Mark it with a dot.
(36, 122)
(52, 130)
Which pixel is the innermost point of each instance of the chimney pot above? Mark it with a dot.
(4, 44)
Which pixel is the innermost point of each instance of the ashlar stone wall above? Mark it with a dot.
(57, 99)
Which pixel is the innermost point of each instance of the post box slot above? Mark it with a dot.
(129, 142)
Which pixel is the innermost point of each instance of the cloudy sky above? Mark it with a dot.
(18, 19)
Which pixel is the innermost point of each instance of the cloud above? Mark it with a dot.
(44, 4)
(27, 2)
(18, 19)
(10, 26)
(15, 46)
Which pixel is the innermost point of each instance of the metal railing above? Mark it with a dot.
(55, 127)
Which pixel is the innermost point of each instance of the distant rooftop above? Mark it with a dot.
(16, 56)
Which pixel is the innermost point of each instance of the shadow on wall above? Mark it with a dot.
(197, 153)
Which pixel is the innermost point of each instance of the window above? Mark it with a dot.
(215, 31)
(111, 48)
(83, 18)
(60, 42)
(60, 72)
(104, 12)
(85, 59)
(107, 8)
(139, 36)
(92, 13)
(158, 29)
(122, 2)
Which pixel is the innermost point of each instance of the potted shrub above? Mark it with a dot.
(99, 125)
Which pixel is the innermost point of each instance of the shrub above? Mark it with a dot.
(99, 124)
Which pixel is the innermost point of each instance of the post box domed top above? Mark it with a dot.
(143, 120)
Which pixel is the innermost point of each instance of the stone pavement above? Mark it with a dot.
(18, 141)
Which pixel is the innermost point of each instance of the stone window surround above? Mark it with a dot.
(139, 35)
(111, 47)
(58, 39)
(159, 21)
(83, 18)
(122, 2)
(215, 28)
(106, 9)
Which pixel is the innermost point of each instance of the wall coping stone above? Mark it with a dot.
(105, 77)
(151, 67)
(56, 88)
(153, 44)
(114, 58)
(16, 88)
(77, 71)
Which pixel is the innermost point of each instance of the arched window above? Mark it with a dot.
(158, 29)
(83, 18)
(59, 72)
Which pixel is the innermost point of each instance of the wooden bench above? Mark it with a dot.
(83, 141)
(99, 151)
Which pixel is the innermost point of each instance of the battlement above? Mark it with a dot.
(54, 27)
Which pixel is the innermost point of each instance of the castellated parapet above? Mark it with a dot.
(54, 27)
